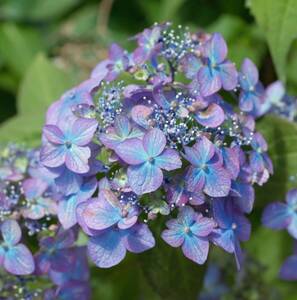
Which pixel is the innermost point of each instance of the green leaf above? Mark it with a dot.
(281, 136)
(278, 20)
(19, 46)
(170, 273)
(43, 83)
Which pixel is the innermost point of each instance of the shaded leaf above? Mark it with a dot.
(278, 20)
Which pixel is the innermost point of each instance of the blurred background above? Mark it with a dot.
(48, 46)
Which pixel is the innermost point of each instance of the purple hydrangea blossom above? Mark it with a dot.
(15, 257)
(190, 231)
(281, 215)
(121, 131)
(252, 91)
(69, 146)
(217, 72)
(288, 269)
(206, 171)
(147, 158)
(233, 227)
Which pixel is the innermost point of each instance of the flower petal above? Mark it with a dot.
(139, 238)
(196, 248)
(144, 178)
(212, 117)
(11, 232)
(76, 159)
(195, 179)
(169, 160)
(228, 75)
(217, 182)
(100, 213)
(203, 226)
(53, 134)
(154, 142)
(276, 216)
(132, 152)
(19, 260)
(249, 74)
(209, 81)
(52, 156)
(216, 48)
(288, 270)
(107, 249)
(83, 130)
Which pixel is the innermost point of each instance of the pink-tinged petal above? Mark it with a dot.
(195, 179)
(81, 220)
(132, 152)
(34, 187)
(107, 249)
(101, 213)
(196, 249)
(53, 134)
(291, 198)
(217, 183)
(139, 239)
(52, 156)
(140, 115)
(203, 226)
(212, 117)
(169, 160)
(101, 70)
(288, 270)
(216, 48)
(19, 260)
(76, 159)
(209, 81)
(11, 232)
(154, 142)
(110, 139)
(249, 76)
(276, 216)
(83, 131)
(144, 178)
(173, 238)
(231, 161)
(228, 75)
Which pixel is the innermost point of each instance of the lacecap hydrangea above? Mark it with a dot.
(38, 258)
(165, 130)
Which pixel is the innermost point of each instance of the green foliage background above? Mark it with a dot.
(47, 46)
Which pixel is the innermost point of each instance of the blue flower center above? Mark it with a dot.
(68, 144)
(151, 160)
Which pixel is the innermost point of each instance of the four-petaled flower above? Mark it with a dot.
(14, 256)
(280, 215)
(252, 91)
(147, 158)
(121, 131)
(233, 227)
(69, 146)
(217, 72)
(206, 171)
(190, 231)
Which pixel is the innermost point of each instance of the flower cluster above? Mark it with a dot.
(28, 221)
(152, 132)
(283, 215)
